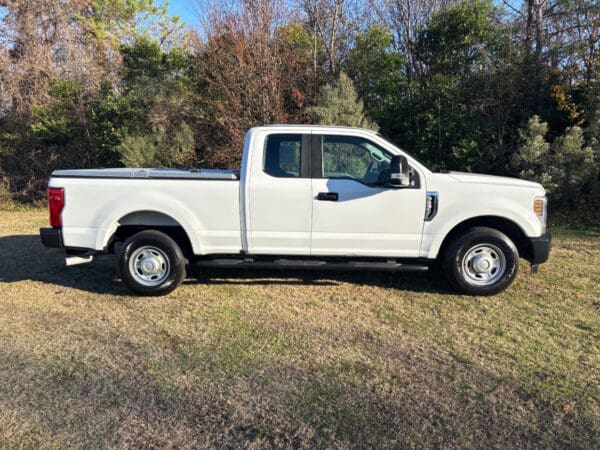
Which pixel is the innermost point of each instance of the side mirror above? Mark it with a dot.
(399, 176)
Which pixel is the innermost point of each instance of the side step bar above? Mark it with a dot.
(307, 264)
(75, 257)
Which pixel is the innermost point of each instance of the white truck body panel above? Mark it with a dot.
(462, 199)
(265, 215)
(208, 210)
(367, 221)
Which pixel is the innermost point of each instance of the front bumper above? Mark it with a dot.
(51, 237)
(539, 249)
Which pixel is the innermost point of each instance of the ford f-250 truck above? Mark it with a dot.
(306, 197)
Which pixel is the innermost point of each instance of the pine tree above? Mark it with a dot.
(339, 105)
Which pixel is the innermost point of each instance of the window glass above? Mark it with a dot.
(357, 159)
(282, 155)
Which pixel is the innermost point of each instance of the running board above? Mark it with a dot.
(283, 263)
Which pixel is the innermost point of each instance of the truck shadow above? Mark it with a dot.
(409, 281)
(23, 257)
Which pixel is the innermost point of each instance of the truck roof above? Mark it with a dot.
(323, 128)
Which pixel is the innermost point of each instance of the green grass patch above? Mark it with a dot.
(303, 360)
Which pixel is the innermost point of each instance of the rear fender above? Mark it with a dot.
(109, 216)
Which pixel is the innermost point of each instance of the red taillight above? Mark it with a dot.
(56, 203)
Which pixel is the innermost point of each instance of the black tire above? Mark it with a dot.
(150, 263)
(483, 261)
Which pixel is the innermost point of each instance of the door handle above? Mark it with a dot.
(328, 196)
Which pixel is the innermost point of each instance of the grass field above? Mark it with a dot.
(295, 359)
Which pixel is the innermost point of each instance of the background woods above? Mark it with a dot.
(507, 88)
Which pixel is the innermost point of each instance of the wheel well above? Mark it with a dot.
(506, 226)
(149, 220)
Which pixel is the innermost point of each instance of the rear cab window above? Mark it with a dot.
(283, 155)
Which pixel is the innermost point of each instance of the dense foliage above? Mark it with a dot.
(511, 90)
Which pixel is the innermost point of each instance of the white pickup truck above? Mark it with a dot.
(306, 197)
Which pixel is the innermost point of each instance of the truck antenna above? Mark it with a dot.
(440, 155)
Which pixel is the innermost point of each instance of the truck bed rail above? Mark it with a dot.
(187, 174)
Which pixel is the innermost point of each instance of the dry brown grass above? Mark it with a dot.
(295, 359)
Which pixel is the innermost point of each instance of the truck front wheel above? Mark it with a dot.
(151, 263)
(483, 261)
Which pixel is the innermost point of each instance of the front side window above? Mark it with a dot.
(282, 155)
(355, 158)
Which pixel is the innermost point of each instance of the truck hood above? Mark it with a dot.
(478, 178)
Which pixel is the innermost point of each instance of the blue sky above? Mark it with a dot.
(184, 9)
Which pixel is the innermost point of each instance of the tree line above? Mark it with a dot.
(509, 89)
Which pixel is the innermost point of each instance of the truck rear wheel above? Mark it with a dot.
(483, 261)
(151, 263)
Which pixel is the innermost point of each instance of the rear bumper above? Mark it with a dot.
(539, 249)
(52, 237)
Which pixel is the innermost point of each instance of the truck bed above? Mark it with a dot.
(206, 203)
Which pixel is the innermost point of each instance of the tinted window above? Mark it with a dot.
(282, 155)
(355, 158)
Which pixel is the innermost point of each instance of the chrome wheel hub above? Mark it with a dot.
(481, 264)
(484, 265)
(149, 265)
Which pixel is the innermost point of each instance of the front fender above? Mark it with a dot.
(436, 231)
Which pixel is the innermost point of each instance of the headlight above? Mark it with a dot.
(540, 208)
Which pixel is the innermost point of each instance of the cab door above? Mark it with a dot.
(354, 210)
(279, 216)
